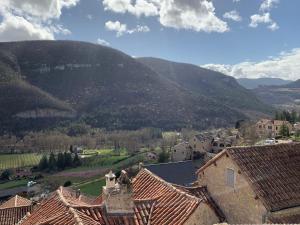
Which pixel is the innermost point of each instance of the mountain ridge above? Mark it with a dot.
(101, 86)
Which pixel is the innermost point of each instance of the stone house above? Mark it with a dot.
(181, 152)
(201, 143)
(255, 185)
(271, 128)
(219, 144)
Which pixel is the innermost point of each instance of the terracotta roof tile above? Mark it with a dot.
(173, 205)
(15, 202)
(202, 193)
(273, 171)
(64, 208)
(11, 216)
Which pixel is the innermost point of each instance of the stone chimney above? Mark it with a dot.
(117, 196)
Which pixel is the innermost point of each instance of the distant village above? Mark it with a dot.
(249, 174)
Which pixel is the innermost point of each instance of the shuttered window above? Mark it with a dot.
(230, 177)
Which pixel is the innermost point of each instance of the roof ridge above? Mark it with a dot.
(16, 200)
(156, 164)
(171, 185)
(78, 221)
(61, 196)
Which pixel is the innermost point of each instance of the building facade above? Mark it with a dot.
(271, 128)
(255, 185)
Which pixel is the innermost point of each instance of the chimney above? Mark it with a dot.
(117, 196)
(141, 165)
(78, 193)
(110, 180)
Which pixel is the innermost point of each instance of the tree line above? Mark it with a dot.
(60, 161)
(292, 117)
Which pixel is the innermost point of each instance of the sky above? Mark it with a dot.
(241, 38)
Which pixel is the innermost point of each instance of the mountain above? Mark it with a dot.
(284, 96)
(44, 83)
(203, 82)
(255, 83)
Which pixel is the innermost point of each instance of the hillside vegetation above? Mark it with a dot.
(284, 96)
(44, 83)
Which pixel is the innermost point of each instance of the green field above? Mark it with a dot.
(13, 184)
(10, 161)
(104, 152)
(93, 188)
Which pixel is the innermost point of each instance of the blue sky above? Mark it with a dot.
(247, 43)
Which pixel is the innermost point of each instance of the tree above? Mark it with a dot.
(52, 162)
(284, 131)
(6, 174)
(60, 163)
(163, 157)
(67, 183)
(76, 160)
(43, 165)
(68, 159)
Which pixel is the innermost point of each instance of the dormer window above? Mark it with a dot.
(230, 178)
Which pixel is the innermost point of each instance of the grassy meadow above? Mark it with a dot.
(11, 161)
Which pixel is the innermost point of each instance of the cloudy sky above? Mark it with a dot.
(242, 38)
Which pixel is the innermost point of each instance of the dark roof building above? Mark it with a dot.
(181, 173)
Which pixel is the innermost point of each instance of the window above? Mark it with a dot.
(230, 178)
(270, 127)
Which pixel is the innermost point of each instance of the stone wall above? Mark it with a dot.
(203, 215)
(239, 204)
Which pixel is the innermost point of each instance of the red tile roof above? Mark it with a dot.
(173, 204)
(14, 210)
(64, 208)
(11, 216)
(15, 202)
(156, 202)
(273, 172)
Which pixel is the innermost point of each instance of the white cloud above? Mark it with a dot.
(197, 15)
(236, 1)
(233, 15)
(15, 28)
(265, 16)
(141, 7)
(117, 27)
(267, 5)
(102, 42)
(32, 19)
(121, 29)
(192, 14)
(285, 66)
(264, 19)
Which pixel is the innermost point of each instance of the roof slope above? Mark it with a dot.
(15, 202)
(10, 216)
(64, 208)
(180, 173)
(173, 205)
(14, 210)
(58, 209)
(273, 172)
